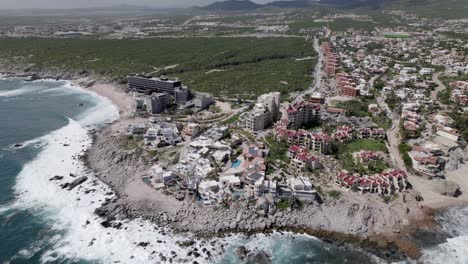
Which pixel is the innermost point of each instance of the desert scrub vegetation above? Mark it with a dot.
(223, 66)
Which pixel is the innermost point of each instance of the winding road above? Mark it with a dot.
(317, 74)
(393, 134)
(440, 86)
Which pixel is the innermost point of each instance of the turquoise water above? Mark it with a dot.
(236, 164)
(41, 223)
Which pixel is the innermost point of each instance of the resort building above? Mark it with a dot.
(427, 163)
(264, 113)
(317, 141)
(331, 58)
(162, 134)
(153, 85)
(160, 177)
(303, 113)
(202, 101)
(157, 103)
(343, 134)
(371, 133)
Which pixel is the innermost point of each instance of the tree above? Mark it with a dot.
(379, 84)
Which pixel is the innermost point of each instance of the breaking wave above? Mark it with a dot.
(21, 91)
(77, 233)
(455, 250)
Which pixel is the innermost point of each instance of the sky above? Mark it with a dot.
(16, 4)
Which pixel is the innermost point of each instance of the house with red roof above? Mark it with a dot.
(316, 141)
(343, 134)
(371, 133)
(384, 183)
(367, 156)
(301, 160)
(426, 163)
(303, 113)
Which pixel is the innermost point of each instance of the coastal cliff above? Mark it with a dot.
(353, 217)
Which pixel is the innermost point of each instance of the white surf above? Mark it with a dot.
(71, 213)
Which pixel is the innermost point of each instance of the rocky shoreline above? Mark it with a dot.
(359, 220)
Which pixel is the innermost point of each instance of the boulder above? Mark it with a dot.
(56, 178)
(77, 182)
(242, 252)
(262, 204)
(239, 215)
(447, 188)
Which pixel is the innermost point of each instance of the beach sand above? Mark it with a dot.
(122, 100)
(435, 200)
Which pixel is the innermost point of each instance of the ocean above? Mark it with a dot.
(44, 128)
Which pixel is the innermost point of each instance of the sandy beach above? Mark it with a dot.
(115, 94)
(435, 200)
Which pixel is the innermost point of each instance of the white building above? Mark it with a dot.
(160, 176)
(302, 188)
(264, 113)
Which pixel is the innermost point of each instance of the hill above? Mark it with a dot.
(232, 5)
(424, 8)
(289, 4)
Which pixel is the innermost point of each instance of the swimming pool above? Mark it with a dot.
(236, 164)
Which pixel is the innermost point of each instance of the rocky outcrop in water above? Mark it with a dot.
(77, 182)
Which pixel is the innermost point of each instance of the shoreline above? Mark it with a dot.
(135, 211)
(122, 101)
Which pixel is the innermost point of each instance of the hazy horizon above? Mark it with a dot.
(65, 4)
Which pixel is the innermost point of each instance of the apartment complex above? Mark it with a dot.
(331, 58)
(318, 142)
(346, 85)
(156, 103)
(301, 160)
(264, 113)
(303, 113)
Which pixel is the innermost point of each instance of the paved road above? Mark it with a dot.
(440, 86)
(393, 134)
(317, 74)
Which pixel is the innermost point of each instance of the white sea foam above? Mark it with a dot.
(104, 110)
(455, 250)
(37, 141)
(69, 214)
(68, 211)
(26, 89)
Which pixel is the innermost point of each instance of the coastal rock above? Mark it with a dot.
(242, 252)
(56, 178)
(233, 225)
(447, 188)
(455, 159)
(77, 182)
(239, 215)
(143, 244)
(186, 243)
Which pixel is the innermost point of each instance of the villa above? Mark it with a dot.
(384, 183)
(301, 160)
